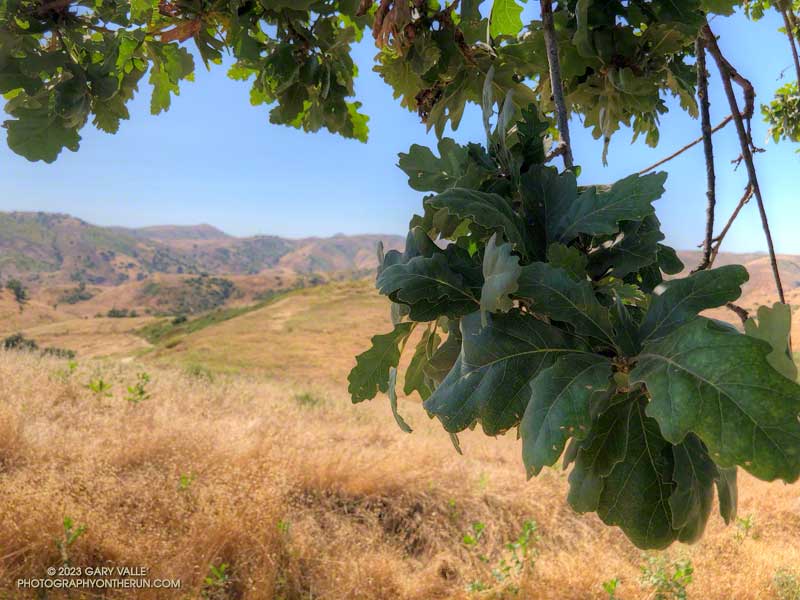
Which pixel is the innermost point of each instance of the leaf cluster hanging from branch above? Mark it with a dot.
(547, 312)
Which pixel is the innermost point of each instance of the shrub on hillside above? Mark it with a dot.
(59, 352)
(75, 295)
(18, 341)
(121, 313)
(20, 292)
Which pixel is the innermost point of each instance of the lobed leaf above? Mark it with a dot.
(774, 326)
(694, 475)
(718, 384)
(597, 455)
(490, 211)
(677, 301)
(372, 369)
(636, 493)
(554, 293)
(429, 286)
(560, 407)
(490, 380)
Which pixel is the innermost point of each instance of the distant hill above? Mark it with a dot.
(86, 269)
(172, 233)
(45, 249)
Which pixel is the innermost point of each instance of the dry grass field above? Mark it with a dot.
(247, 453)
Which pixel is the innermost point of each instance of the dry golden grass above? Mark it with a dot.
(306, 496)
(92, 337)
(33, 313)
(311, 334)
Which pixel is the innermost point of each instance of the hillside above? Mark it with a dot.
(46, 249)
(275, 474)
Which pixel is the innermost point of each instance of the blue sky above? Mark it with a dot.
(213, 158)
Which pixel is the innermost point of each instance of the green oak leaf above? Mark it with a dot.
(626, 328)
(694, 476)
(444, 356)
(668, 260)
(501, 271)
(718, 384)
(582, 38)
(392, 391)
(372, 369)
(429, 286)
(505, 18)
(773, 326)
(554, 293)
(455, 168)
(597, 454)
(171, 63)
(490, 380)
(141, 10)
(728, 493)
(572, 260)
(38, 135)
(560, 407)
(490, 211)
(417, 244)
(599, 212)
(547, 196)
(635, 247)
(677, 301)
(530, 134)
(636, 493)
(415, 379)
(720, 7)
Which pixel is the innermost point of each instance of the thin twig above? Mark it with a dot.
(708, 150)
(741, 313)
(557, 151)
(691, 144)
(787, 23)
(562, 116)
(728, 75)
(748, 192)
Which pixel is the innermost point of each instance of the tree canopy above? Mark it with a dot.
(65, 62)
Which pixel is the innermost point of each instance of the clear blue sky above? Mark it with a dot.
(214, 158)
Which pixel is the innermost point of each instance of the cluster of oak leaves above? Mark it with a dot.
(542, 307)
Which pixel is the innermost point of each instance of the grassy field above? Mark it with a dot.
(246, 452)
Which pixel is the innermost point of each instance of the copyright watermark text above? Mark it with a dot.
(97, 578)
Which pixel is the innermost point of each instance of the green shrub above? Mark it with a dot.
(59, 353)
(199, 372)
(787, 584)
(20, 292)
(121, 313)
(138, 391)
(75, 295)
(307, 399)
(18, 341)
(667, 581)
(99, 387)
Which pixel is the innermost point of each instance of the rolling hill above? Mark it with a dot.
(45, 249)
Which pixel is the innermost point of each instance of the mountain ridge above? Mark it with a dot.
(56, 248)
